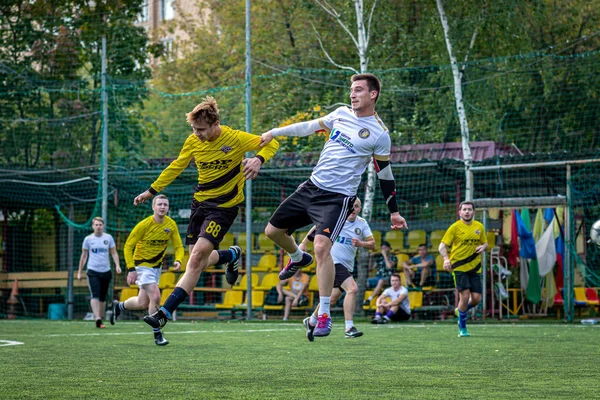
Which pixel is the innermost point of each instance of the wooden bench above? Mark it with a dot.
(39, 280)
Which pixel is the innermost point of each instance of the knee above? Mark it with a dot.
(322, 249)
(352, 289)
(271, 231)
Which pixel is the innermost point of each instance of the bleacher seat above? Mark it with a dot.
(580, 298)
(164, 295)
(377, 236)
(395, 239)
(241, 241)
(372, 304)
(227, 241)
(243, 282)
(402, 258)
(230, 299)
(258, 300)
(592, 297)
(416, 238)
(265, 244)
(268, 281)
(167, 280)
(416, 299)
(128, 292)
(445, 280)
(491, 238)
(266, 263)
(435, 239)
(313, 285)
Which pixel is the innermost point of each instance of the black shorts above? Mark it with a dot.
(211, 223)
(341, 274)
(312, 205)
(468, 280)
(400, 315)
(98, 283)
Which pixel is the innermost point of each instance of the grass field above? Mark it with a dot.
(268, 360)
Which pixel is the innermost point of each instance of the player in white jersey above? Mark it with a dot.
(355, 233)
(393, 304)
(357, 135)
(97, 246)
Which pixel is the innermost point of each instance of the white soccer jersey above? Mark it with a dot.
(352, 143)
(98, 247)
(393, 295)
(342, 251)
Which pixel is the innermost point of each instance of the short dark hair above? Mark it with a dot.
(466, 202)
(397, 275)
(423, 245)
(373, 82)
(384, 243)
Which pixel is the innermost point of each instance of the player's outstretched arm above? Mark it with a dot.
(142, 198)
(298, 129)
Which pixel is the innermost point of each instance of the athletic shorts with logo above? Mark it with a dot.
(310, 204)
(341, 274)
(211, 223)
(468, 280)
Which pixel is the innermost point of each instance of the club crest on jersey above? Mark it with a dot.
(477, 231)
(106, 242)
(167, 230)
(364, 133)
(357, 231)
(226, 149)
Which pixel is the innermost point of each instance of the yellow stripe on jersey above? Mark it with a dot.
(219, 163)
(325, 128)
(463, 240)
(148, 241)
(381, 123)
(381, 158)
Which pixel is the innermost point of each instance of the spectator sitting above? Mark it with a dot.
(297, 295)
(386, 266)
(423, 262)
(393, 304)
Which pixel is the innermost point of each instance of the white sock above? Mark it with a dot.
(313, 320)
(284, 319)
(324, 305)
(296, 256)
(349, 324)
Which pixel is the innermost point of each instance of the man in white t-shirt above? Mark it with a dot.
(355, 233)
(393, 304)
(96, 247)
(356, 136)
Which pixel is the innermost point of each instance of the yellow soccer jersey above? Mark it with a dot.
(148, 241)
(464, 239)
(220, 177)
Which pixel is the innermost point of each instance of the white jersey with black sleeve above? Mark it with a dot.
(353, 142)
(342, 250)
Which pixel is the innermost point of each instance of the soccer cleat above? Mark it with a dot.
(375, 320)
(291, 268)
(232, 273)
(323, 326)
(160, 340)
(156, 320)
(99, 324)
(309, 329)
(384, 320)
(116, 311)
(367, 302)
(353, 332)
(463, 333)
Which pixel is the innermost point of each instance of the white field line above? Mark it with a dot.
(9, 343)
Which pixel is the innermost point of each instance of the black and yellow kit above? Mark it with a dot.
(148, 241)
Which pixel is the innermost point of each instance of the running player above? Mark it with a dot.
(144, 252)
(467, 240)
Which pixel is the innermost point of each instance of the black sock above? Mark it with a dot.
(174, 300)
(225, 256)
(156, 332)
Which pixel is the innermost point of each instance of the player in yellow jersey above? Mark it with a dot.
(218, 152)
(144, 252)
(467, 240)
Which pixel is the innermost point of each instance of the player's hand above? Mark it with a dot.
(176, 266)
(78, 275)
(141, 199)
(279, 298)
(251, 167)
(265, 139)
(480, 249)
(398, 222)
(447, 265)
(131, 277)
(118, 269)
(356, 242)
